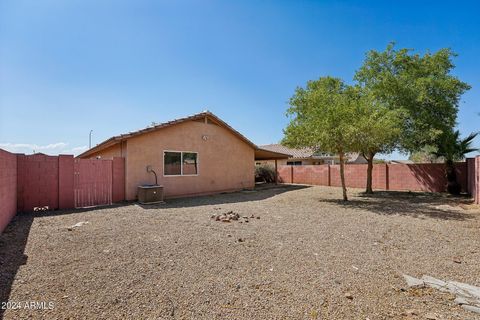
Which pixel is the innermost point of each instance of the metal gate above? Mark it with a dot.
(92, 182)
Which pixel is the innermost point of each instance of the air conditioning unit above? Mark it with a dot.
(150, 194)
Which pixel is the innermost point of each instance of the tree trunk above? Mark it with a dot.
(369, 158)
(342, 175)
(453, 187)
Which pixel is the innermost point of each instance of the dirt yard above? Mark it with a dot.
(302, 255)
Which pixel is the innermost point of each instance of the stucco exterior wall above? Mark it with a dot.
(225, 162)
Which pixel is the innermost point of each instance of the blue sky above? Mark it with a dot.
(67, 67)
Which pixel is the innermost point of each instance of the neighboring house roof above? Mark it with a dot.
(402, 162)
(308, 153)
(199, 116)
(355, 157)
(298, 153)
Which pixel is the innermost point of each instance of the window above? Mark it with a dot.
(189, 160)
(172, 163)
(176, 163)
(294, 163)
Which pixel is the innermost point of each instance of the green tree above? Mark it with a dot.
(379, 129)
(422, 86)
(452, 148)
(323, 117)
(424, 155)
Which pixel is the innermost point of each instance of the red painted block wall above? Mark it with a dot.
(473, 179)
(424, 177)
(477, 180)
(284, 174)
(118, 179)
(414, 177)
(49, 181)
(37, 182)
(311, 174)
(29, 181)
(417, 177)
(44, 181)
(8, 187)
(356, 176)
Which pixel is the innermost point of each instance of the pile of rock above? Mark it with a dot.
(232, 216)
(226, 217)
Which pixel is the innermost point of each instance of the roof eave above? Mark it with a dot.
(264, 154)
(115, 139)
(99, 147)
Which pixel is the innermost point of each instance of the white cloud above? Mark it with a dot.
(51, 149)
(21, 146)
(78, 150)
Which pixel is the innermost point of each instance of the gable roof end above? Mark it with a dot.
(116, 139)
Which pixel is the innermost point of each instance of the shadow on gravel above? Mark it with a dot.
(61, 212)
(259, 193)
(12, 253)
(414, 204)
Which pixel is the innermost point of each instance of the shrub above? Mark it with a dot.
(264, 173)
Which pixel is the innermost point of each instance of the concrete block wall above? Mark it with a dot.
(476, 189)
(414, 177)
(8, 187)
(30, 181)
(37, 182)
(118, 179)
(473, 179)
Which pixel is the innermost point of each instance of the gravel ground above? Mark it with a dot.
(308, 256)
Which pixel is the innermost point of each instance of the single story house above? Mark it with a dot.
(196, 155)
(308, 156)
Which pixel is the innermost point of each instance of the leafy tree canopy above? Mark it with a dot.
(422, 86)
(323, 116)
(378, 127)
(425, 155)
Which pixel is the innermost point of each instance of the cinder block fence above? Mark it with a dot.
(429, 177)
(8, 187)
(473, 179)
(29, 182)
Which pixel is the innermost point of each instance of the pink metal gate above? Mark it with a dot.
(92, 182)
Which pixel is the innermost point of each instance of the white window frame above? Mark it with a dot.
(181, 164)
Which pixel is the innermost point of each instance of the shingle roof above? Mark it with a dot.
(306, 153)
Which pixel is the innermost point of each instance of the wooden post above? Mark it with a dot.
(276, 172)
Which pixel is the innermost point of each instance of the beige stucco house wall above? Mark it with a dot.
(117, 150)
(225, 159)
